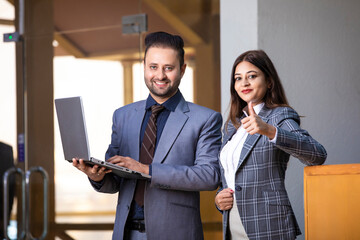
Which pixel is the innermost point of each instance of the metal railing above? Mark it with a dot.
(25, 206)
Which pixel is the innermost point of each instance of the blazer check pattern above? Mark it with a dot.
(262, 200)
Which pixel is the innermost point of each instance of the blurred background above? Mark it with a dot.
(87, 48)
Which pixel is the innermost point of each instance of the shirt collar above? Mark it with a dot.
(170, 104)
(258, 107)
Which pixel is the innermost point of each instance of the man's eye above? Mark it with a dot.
(153, 67)
(168, 68)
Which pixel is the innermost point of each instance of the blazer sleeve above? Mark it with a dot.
(296, 141)
(204, 174)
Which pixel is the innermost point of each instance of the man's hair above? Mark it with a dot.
(163, 39)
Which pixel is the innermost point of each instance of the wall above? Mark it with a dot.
(238, 33)
(314, 46)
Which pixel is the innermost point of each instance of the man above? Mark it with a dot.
(185, 160)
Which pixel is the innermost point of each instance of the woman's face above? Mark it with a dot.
(250, 83)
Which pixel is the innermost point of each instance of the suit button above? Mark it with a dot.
(238, 188)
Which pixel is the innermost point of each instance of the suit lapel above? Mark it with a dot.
(229, 133)
(251, 140)
(135, 127)
(172, 129)
(248, 146)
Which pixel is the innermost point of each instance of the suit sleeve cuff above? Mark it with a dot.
(96, 185)
(274, 139)
(150, 170)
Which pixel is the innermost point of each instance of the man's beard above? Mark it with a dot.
(162, 93)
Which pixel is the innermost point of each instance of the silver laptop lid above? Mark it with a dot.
(72, 128)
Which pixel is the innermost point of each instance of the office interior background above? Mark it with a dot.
(77, 48)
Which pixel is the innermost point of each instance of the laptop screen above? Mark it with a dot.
(72, 128)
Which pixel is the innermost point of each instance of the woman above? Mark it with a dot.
(261, 133)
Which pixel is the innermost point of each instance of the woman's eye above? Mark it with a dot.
(237, 78)
(252, 76)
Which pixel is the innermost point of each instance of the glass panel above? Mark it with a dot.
(100, 85)
(7, 79)
(7, 102)
(140, 90)
(187, 84)
(6, 10)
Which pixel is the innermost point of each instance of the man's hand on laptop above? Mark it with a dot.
(129, 163)
(95, 172)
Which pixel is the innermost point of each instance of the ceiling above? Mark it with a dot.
(93, 28)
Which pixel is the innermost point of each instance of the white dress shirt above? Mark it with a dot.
(229, 158)
(230, 154)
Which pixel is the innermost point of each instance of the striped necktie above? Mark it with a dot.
(147, 150)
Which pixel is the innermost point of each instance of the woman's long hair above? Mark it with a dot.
(274, 96)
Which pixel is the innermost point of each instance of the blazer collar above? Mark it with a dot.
(172, 129)
(135, 127)
(251, 140)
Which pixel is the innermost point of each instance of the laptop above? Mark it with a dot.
(74, 138)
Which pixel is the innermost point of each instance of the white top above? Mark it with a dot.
(230, 154)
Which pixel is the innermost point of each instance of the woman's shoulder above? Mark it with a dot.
(281, 113)
(229, 128)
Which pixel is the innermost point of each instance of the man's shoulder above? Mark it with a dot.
(130, 106)
(199, 112)
(199, 108)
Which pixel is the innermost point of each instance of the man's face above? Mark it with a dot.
(162, 72)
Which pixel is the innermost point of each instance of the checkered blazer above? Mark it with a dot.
(261, 197)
